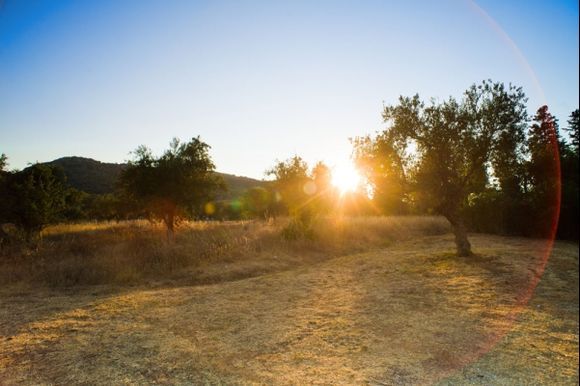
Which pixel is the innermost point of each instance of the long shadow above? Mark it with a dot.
(402, 315)
(23, 305)
(433, 313)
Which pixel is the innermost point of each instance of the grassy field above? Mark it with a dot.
(380, 301)
(137, 252)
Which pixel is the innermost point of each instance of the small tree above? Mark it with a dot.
(292, 183)
(574, 130)
(176, 184)
(326, 194)
(34, 198)
(446, 149)
(297, 191)
(3, 162)
(383, 168)
(544, 169)
(569, 154)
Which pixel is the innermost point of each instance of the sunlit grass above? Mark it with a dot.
(412, 313)
(66, 228)
(137, 251)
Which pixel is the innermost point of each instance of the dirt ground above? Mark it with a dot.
(411, 313)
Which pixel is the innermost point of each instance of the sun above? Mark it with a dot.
(345, 178)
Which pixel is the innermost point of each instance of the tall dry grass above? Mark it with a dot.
(203, 252)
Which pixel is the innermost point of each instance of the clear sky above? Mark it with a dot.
(259, 80)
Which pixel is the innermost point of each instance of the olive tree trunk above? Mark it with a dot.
(459, 230)
(169, 220)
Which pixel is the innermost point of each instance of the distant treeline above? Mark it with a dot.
(545, 176)
(480, 162)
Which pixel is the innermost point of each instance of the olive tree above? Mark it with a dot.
(448, 150)
(174, 185)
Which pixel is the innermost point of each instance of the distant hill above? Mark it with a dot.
(91, 176)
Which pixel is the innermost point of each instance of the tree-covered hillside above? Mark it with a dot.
(91, 176)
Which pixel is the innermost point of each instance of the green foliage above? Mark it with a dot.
(494, 211)
(326, 195)
(291, 183)
(98, 178)
(547, 177)
(544, 169)
(35, 197)
(177, 184)
(444, 150)
(383, 168)
(300, 226)
(89, 175)
(237, 186)
(574, 130)
(569, 162)
(3, 162)
(294, 187)
(98, 199)
(258, 202)
(305, 195)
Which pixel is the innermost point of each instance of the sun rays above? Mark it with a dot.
(346, 178)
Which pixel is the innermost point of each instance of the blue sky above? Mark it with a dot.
(259, 80)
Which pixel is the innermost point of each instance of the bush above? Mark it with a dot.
(300, 226)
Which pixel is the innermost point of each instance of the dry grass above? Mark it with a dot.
(203, 252)
(406, 313)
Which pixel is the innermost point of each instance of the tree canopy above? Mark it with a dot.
(544, 144)
(292, 183)
(34, 197)
(447, 150)
(574, 129)
(176, 184)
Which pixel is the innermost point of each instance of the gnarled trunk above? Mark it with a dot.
(169, 220)
(461, 242)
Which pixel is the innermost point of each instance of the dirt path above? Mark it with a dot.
(410, 314)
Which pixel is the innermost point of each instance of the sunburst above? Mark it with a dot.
(345, 178)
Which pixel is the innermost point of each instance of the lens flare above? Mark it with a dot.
(346, 178)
